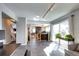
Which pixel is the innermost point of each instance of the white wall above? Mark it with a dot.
(21, 35)
(0, 17)
(10, 13)
(37, 22)
(71, 26)
(76, 26)
(51, 32)
(26, 31)
(0, 21)
(6, 10)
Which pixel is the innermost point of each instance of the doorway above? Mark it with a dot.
(38, 32)
(9, 26)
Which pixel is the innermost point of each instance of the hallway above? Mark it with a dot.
(44, 48)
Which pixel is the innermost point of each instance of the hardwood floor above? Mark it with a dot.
(45, 48)
(8, 49)
(36, 48)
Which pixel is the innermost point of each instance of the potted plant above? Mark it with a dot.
(68, 37)
(58, 36)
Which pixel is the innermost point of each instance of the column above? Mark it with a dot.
(21, 31)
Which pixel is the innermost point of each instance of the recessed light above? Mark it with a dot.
(37, 16)
(35, 19)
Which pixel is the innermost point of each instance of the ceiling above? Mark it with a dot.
(61, 9)
(31, 10)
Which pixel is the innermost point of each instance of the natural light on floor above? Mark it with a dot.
(53, 47)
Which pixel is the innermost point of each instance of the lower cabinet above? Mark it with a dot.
(44, 36)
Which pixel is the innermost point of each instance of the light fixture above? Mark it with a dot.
(37, 16)
(36, 19)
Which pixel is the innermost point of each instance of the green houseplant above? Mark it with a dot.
(68, 37)
(58, 35)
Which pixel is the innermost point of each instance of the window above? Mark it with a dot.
(33, 30)
(63, 28)
(47, 29)
(55, 30)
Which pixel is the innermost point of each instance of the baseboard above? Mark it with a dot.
(7, 43)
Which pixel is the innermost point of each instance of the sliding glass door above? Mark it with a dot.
(63, 28)
(55, 31)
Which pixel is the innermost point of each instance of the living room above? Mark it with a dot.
(63, 21)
